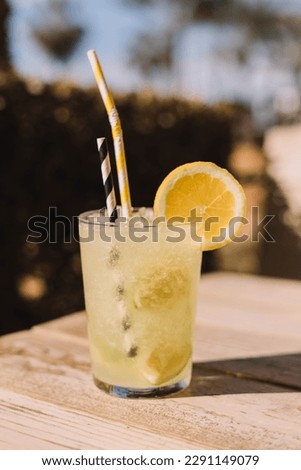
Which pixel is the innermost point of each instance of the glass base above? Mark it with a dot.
(151, 392)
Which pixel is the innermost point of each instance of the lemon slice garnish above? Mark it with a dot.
(210, 194)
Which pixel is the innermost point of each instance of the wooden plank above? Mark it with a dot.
(218, 411)
(251, 304)
(228, 337)
(28, 423)
(74, 324)
(214, 422)
(284, 370)
(237, 302)
(259, 356)
(267, 357)
(46, 381)
(269, 294)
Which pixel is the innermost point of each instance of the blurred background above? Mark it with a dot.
(216, 80)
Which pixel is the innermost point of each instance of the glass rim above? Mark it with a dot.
(88, 217)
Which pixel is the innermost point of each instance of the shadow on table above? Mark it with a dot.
(264, 374)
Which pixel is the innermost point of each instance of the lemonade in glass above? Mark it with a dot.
(141, 277)
(140, 283)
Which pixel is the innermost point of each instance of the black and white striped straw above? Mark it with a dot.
(107, 178)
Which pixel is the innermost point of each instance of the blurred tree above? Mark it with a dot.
(4, 54)
(260, 23)
(57, 35)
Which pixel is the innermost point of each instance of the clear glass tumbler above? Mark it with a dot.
(140, 282)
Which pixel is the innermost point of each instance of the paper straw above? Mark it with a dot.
(107, 178)
(117, 134)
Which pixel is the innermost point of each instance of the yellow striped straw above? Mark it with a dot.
(113, 116)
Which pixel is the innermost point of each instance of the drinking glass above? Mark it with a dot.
(140, 284)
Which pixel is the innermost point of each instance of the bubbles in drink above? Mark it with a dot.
(114, 256)
(120, 292)
(132, 352)
(126, 323)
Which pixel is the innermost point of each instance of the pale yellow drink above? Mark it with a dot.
(141, 299)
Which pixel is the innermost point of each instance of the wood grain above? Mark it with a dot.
(244, 392)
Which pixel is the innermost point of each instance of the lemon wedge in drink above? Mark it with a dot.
(159, 286)
(206, 194)
(165, 363)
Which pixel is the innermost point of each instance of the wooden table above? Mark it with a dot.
(245, 392)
